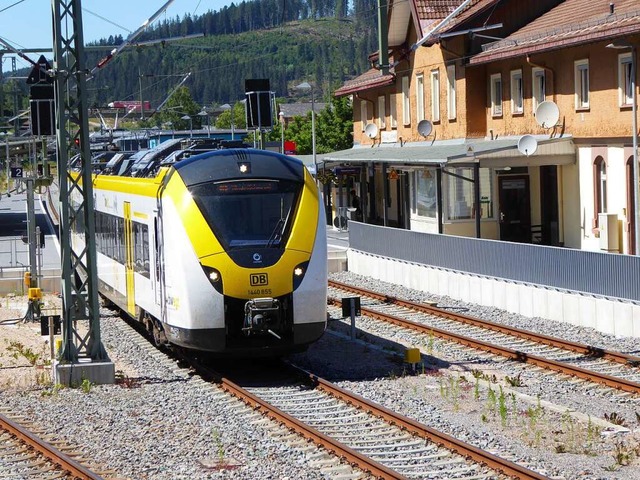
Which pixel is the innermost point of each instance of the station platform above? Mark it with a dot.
(14, 252)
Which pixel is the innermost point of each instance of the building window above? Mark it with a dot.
(625, 94)
(393, 110)
(406, 106)
(539, 88)
(364, 113)
(582, 84)
(600, 183)
(419, 97)
(435, 95)
(451, 92)
(460, 195)
(517, 94)
(496, 95)
(382, 113)
(426, 199)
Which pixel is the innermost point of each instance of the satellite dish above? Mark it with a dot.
(527, 145)
(425, 127)
(547, 114)
(371, 130)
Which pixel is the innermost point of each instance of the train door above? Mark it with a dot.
(128, 259)
(159, 287)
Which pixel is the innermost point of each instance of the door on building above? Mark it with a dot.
(631, 209)
(549, 230)
(515, 208)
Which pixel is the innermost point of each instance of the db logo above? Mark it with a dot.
(258, 279)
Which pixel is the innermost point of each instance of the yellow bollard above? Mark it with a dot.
(27, 279)
(412, 356)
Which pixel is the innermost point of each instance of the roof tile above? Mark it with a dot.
(570, 23)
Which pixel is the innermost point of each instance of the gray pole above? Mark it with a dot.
(79, 268)
(634, 134)
(141, 100)
(313, 132)
(31, 232)
(6, 144)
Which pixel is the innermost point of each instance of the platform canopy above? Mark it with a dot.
(498, 153)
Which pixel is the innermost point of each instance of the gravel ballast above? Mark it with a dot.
(160, 422)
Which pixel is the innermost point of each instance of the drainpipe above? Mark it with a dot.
(373, 105)
(550, 70)
(383, 40)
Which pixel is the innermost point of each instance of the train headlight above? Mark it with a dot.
(214, 277)
(298, 274)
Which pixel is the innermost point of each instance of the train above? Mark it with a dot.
(130, 105)
(216, 249)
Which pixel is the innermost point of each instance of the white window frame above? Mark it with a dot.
(419, 97)
(435, 95)
(457, 195)
(382, 112)
(625, 95)
(364, 113)
(406, 103)
(517, 92)
(393, 110)
(495, 92)
(451, 92)
(538, 87)
(581, 76)
(415, 209)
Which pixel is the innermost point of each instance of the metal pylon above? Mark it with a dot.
(81, 315)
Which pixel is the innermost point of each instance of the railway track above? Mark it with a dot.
(373, 438)
(25, 455)
(613, 369)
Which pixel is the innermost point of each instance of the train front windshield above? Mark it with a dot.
(249, 213)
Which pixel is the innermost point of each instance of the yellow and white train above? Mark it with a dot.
(222, 251)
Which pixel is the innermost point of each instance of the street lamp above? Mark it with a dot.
(634, 135)
(187, 117)
(228, 108)
(204, 113)
(281, 116)
(304, 86)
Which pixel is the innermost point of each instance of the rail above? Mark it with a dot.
(510, 353)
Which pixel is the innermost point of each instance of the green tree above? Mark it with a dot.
(334, 127)
(239, 119)
(180, 104)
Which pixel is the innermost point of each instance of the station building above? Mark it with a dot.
(450, 138)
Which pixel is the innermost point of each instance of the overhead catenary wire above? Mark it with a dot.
(130, 38)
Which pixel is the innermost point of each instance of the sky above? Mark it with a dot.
(27, 23)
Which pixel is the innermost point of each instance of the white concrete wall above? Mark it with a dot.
(608, 316)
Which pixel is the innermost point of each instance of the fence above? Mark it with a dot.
(603, 274)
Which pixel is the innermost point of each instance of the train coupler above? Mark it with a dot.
(261, 315)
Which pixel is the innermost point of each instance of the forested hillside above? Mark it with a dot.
(318, 41)
(286, 42)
